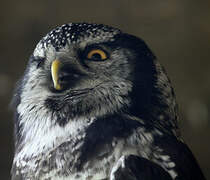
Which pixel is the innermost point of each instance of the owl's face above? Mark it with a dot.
(80, 74)
(87, 70)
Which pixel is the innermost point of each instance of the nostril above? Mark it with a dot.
(63, 79)
(64, 76)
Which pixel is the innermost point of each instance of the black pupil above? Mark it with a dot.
(96, 56)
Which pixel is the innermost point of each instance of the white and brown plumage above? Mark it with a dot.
(94, 103)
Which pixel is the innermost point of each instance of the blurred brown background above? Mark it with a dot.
(177, 31)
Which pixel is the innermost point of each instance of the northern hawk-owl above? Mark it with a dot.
(94, 103)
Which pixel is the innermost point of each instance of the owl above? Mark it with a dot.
(95, 104)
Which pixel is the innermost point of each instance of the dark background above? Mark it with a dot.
(177, 31)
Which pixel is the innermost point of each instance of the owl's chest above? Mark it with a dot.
(77, 160)
(81, 162)
(86, 154)
(91, 161)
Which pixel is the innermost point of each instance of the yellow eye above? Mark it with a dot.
(97, 55)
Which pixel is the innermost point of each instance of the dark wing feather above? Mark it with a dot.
(138, 168)
(186, 167)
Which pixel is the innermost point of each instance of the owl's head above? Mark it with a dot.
(92, 70)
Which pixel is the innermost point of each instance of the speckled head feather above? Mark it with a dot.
(75, 33)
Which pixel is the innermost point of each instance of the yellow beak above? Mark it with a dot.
(55, 67)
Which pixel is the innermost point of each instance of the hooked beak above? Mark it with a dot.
(55, 68)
